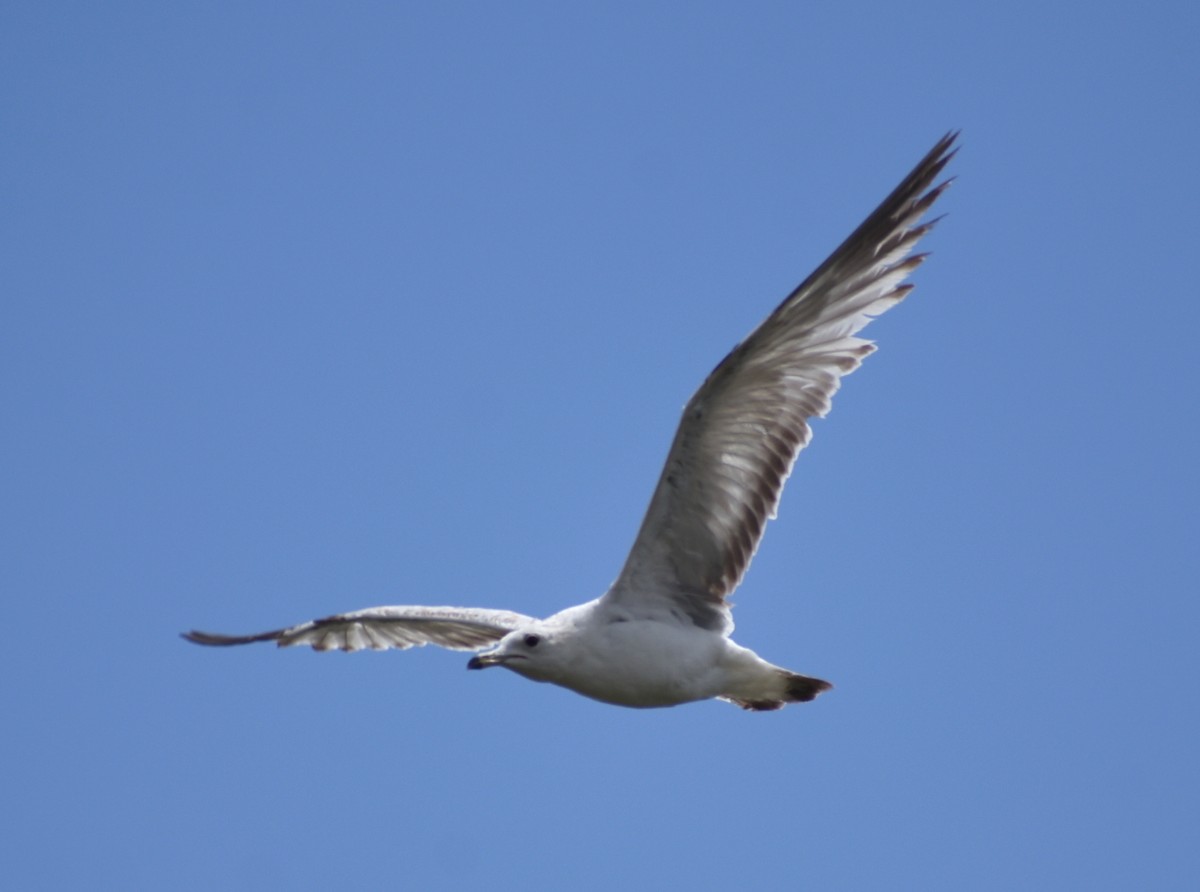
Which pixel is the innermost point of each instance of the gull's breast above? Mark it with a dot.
(644, 663)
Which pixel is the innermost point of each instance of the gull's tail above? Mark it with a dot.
(802, 688)
(796, 689)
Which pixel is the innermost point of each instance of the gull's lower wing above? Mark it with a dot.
(742, 430)
(384, 628)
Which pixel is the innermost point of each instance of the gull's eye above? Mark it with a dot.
(532, 640)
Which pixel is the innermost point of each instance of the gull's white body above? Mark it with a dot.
(640, 662)
(660, 635)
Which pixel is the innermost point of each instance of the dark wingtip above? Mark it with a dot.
(213, 640)
(944, 144)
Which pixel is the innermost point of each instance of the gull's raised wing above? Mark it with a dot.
(382, 628)
(742, 430)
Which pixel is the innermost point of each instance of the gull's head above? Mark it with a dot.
(530, 652)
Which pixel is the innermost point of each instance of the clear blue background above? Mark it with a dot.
(311, 307)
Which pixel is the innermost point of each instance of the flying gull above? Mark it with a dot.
(660, 635)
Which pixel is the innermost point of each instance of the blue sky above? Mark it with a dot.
(312, 307)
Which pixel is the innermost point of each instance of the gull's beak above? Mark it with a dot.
(485, 660)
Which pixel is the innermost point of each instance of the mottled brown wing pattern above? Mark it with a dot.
(384, 628)
(742, 430)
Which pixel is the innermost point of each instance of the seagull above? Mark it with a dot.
(660, 635)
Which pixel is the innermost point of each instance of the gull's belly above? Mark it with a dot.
(644, 663)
